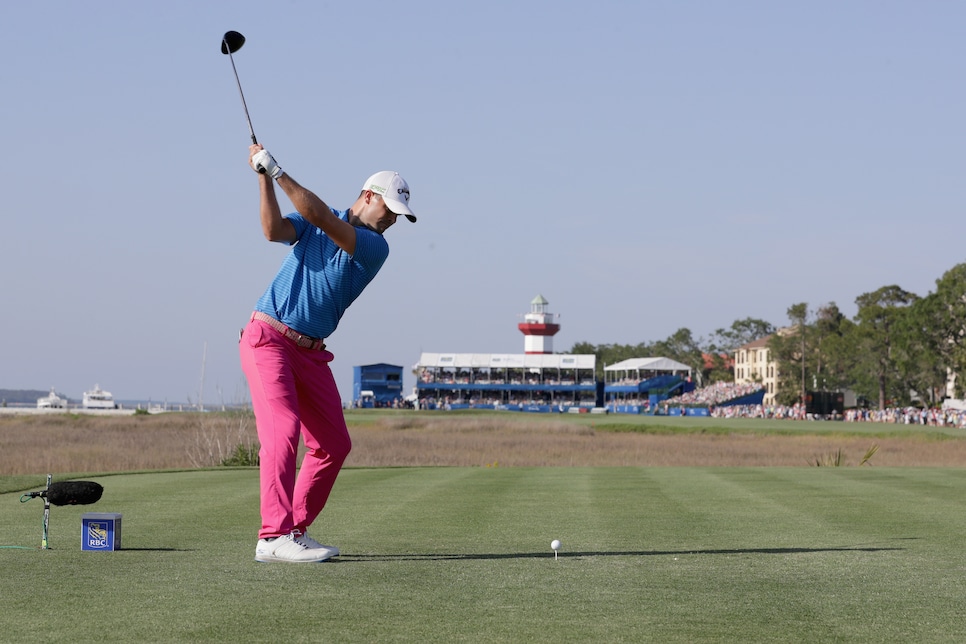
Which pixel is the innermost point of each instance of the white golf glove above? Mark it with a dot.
(263, 163)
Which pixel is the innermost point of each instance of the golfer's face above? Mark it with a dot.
(383, 218)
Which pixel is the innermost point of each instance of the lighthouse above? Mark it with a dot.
(538, 327)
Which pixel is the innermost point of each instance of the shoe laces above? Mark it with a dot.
(297, 538)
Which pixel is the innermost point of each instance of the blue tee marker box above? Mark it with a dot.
(100, 531)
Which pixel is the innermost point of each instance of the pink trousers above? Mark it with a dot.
(293, 394)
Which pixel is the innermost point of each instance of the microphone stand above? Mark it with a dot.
(43, 543)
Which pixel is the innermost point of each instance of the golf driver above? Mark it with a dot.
(230, 43)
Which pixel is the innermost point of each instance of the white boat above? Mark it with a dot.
(97, 398)
(52, 401)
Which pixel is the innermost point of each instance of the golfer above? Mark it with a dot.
(334, 255)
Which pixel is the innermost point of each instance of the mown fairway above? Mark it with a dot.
(462, 554)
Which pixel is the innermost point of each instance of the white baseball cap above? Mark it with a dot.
(394, 191)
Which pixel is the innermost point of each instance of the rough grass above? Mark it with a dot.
(74, 443)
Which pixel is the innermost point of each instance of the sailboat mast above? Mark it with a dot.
(201, 388)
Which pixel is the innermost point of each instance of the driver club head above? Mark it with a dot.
(232, 42)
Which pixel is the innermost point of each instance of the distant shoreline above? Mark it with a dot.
(124, 408)
(24, 410)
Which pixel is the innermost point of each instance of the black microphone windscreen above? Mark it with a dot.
(74, 492)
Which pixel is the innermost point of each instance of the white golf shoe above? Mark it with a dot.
(290, 548)
(315, 545)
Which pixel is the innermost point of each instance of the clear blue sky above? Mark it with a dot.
(645, 166)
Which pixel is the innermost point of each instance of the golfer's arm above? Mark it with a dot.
(275, 227)
(317, 213)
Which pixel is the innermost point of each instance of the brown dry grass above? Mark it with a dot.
(483, 442)
(79, 443)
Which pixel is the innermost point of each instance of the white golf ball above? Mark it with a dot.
(555, 544)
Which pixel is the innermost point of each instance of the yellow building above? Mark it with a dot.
(753, 363)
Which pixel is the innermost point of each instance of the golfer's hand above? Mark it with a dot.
(263, 163)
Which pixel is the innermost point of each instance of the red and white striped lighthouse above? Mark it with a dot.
(538, 327)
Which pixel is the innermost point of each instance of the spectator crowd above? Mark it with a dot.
(716, 394)
(892, 415)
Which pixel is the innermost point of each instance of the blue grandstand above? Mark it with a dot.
(638, 385)
(514, 382)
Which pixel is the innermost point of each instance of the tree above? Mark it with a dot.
(788, 351)
(950, 323)
(798, 315)
(681, 346)
(717, 368)
(739, 334)
(783, 349)
(812, 355)
(723, 343)
(608, 354)
(918, 344)
(878, 322)
(831, 355)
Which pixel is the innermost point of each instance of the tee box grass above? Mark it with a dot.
(463, 554)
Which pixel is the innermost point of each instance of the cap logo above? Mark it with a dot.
(403, 191)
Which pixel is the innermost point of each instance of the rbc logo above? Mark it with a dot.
(97, 535)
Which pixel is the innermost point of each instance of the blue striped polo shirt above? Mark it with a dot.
(318, 280)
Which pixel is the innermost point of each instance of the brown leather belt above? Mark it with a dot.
(305, 341)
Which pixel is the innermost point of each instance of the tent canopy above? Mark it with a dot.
(648, 364)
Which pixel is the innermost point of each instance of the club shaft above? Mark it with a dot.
(242, 94)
